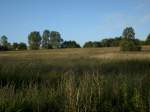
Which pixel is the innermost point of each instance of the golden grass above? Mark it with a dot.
(100, 53)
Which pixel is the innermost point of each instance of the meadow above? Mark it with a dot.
(75, 80)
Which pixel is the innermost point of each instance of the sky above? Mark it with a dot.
(80, 20)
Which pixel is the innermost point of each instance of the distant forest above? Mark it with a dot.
(53, 40)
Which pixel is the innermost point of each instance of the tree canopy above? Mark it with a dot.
(46, 39)
(70, 44)
(55, 39)
(4, 45)
(34, 40)
(148, 39)
(129, 43)
(128, 33)
(4, 40)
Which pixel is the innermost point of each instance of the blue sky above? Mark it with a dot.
(80, 20)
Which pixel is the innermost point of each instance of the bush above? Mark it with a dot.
(130, 45)
(91, 44)
(70, 44)
(22, 46)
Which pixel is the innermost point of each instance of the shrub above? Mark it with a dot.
(22, 46)
(91, 44)
(70, 44)
(130, 45)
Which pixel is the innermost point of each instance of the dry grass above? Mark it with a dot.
(102, 53)
(75, 80)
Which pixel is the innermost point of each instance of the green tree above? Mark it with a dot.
(96, 44)
(15, 45)
(128, 42)
(148, 39)
(4, 41)
(70, 44)
(34, 40)
(55, 39)
(128, 33)
(91, 44)
(22, 46)
(9, 46)
(88, 45)
(46, 39)
(108, 42)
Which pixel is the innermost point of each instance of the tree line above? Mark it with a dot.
(53, 40)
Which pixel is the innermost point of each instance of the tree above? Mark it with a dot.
(4, 40)
(88, 45)
(96, 44)
(46, 39)
(129, 45)
(148, 39)
(128, 33)
(70, 44)
(15, 45)
(128, 42)
(111, 42)
(9, 46)
(34, 40)
(116, 41)
(22, 46)
(55, 39)
(108, 42)
(91, 44)
(4, 43)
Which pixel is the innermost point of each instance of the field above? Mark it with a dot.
(75, 80)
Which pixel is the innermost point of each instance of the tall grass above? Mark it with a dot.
(90, 92)
(74, 85)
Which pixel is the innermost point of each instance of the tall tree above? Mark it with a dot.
(46, 39)
(55, 39)
(15, 45)
(129, 43)
(88, 44)
(22, 46)
(4, 41)
(34, 40)
(148, 39)
(128, 33)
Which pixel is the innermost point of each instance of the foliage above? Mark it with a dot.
(55, 39)
(129, 45)
(108, 42)
(88, 44)
(4, 45)
(22, 46)
(19, 46)
(128, 33)
(91, 44)
(111, 42)
(15, 46)
(34, 40)
(142, 42)
(70, 44)
(46, 39)
(148, 40)
(4, 41)
(52, 39)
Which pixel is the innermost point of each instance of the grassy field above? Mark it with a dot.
(75, 80)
